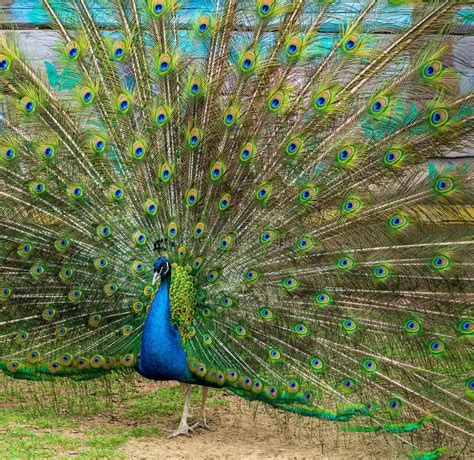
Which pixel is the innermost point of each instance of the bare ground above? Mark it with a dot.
(136, 428)
(243, 430)
(239, 433)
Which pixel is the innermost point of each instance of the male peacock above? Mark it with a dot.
(266, 161)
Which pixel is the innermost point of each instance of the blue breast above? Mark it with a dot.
(162, 356)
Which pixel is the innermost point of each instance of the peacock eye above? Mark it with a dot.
(4, 63)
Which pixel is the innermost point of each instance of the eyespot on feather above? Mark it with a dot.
(157, 8)
(28, 105)
(5, 64)
(264, 192)
(203, 26)
(398, 221)
(294, 147)
(194, 138)
(276, 101)
(8, 153)
(161, 116)
(195, 86)
(308, 194)
(379, 105)
(351, 205)
(247, 62)
(382, 272)
(123, 103)
(199, 230)
(346, 155)
(172, 230)
(247, 152)
(164, 64)
(345, 263)
(267, 237)
(118, 51)
(444, 185)
(432, 69)
(87, 95)
(322, 100)
(138, 150)
(37, 188)
(439, 117)
(230, 116)
(293, 47)
(441, 262)
(192, 197)
(393, 157)
(265, 8)
(165, 173)
(225, 201)
(150, 207)
(351, 43)
(98, 144)
(72, 50)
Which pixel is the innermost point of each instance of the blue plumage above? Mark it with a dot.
(162, 356)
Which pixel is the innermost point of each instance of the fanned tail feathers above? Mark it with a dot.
(277, 150)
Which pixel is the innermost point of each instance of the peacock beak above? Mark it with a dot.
(162, 271)
(156, 275)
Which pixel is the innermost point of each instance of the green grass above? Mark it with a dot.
(86, 419)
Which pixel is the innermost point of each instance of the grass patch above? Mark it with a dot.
(92, 419)
(166, 402)
(23, 442)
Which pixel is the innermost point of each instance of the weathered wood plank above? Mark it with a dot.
(40, 43)
(29, 14)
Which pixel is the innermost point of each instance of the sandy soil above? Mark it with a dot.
(254, 431)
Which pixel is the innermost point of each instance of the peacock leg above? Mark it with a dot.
(183, 427)
(201, 422)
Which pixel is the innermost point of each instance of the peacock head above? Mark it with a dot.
(161, 269)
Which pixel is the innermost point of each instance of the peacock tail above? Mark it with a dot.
(275, 152)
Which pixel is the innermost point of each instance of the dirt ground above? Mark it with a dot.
(136, 426)
(243, 430)
(240, 433)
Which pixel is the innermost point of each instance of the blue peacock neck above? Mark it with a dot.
(162, 356)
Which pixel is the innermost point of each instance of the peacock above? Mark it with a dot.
(250, 195)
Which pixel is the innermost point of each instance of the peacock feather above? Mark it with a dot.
(267, 160)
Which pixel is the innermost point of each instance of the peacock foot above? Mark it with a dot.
(200, 423)
(182, 430)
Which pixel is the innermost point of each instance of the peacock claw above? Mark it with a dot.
(201, 423)
(181, 431)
